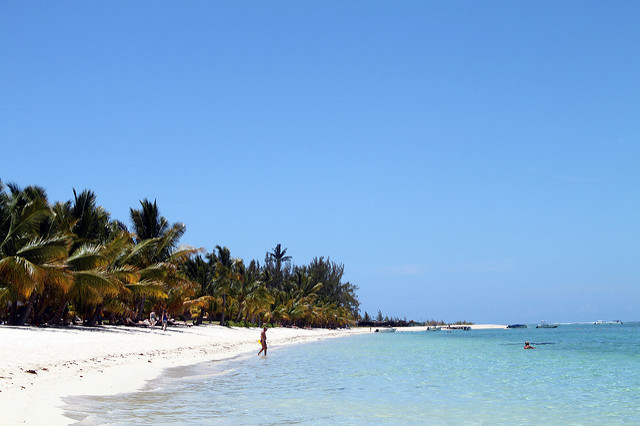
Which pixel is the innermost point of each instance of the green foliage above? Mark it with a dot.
(70, 258)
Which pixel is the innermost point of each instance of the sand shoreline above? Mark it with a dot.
(40, 366)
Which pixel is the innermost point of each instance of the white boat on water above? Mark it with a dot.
(544, 324)
(433, 328)
(385, 330)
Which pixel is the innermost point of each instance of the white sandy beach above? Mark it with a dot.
(39, 366)
(109, 360)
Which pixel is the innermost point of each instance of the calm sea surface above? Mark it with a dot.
(578, 374)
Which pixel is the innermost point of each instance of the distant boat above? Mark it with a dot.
(385, 330)
(544, 324)
(458, 327)
(517, 326)
(433, 328)
(599, 322)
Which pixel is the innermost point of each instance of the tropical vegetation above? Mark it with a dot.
(71, 261)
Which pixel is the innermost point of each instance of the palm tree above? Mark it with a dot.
(27, 260)
(274, 261)
(90, 228)
(179, 287)
(147, 222)
(148, 227)
(92, 281)
(252, 295)
(258, 300)
(158, 257)
(278, 255)
(92, 222)
(199, 271)
(71, 257)
(224, 276)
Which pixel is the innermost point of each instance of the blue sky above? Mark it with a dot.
(463, 160)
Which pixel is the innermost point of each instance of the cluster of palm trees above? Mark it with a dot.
(69, 261)
(277, 292)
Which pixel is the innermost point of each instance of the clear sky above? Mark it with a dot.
(474, 160)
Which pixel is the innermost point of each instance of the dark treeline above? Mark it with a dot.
(385, 321)
(70, 261)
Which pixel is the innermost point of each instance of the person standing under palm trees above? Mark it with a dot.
(165, 320)
(153, 320)
(263, 341)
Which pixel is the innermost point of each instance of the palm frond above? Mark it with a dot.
(87, 257)
(58, 276)
(20, 274)
(118, 246)
(116, 306)
(41, 250)
(139, 249)
(5, 296)
(147, 288)
(169, 240)
(154, 272)
(126, 274)
(99, 281)
(26, 220)
(201, 302)
(147, 221)
(183, 253)
(86, 296)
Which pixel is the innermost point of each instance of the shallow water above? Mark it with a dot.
(578, 374)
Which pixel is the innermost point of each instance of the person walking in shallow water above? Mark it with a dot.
(263, 341)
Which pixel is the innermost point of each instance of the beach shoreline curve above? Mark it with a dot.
(41, 366)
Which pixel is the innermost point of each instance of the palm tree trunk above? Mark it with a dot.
(100, 314)
(38, 316)
(94, 317)
(240, 307)
(57, 316)
(27, 310)
(224, 299)
(140, 308)
(13, 313)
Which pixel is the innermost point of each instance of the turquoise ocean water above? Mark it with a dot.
(578, 374)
